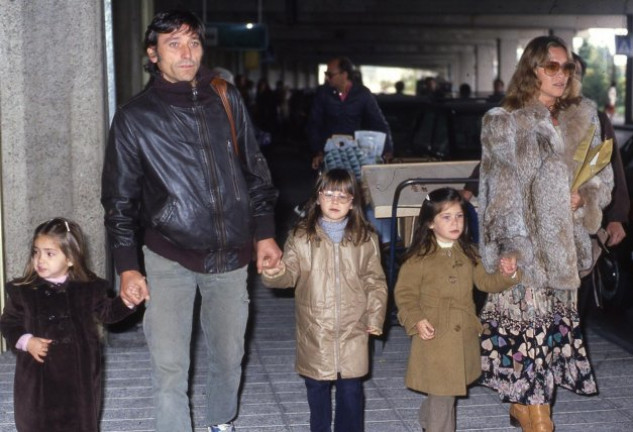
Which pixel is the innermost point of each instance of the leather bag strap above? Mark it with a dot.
(219, 85)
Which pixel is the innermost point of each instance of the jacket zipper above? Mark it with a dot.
(337, 306)
(210, 175)
(231, 155)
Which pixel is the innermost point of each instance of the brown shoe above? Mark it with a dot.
(541, 418)
(520, 417)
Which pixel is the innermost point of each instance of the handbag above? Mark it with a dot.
(605, 272)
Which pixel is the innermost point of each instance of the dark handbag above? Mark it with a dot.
(605, 277)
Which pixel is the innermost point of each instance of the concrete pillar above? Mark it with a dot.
(53, 120)
(566, 35)
(507, 58)
(468, 62)
(486, 56)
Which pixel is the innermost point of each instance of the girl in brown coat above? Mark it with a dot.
(50, 320)
(333, 259)
(434, 295)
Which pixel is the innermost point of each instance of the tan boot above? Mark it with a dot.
(541, 418)
(520, 417)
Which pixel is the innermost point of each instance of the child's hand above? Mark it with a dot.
(374, 331)
(508, 265)
(425, 330)
(38, 348)
(280, 268)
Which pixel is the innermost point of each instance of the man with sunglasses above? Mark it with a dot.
(342, 106)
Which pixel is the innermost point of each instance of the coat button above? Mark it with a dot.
(47, 293)
(66, 340)
(458, 328)
(51, 318)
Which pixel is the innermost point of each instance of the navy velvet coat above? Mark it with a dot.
(63, 393)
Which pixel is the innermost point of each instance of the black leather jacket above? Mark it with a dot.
(171, 168)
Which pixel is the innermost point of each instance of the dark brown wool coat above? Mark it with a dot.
(64, 392)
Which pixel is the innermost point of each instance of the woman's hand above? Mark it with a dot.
(425, 330)
(576, 201)
(38, 348)
(508, 266)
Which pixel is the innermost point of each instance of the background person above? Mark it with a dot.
(342, 106)
(175, 181)
(532, 341)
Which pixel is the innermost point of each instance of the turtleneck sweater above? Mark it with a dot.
(334, 230)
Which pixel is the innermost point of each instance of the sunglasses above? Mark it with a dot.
(551, 68)
(331, 74)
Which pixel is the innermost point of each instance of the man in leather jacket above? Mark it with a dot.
(175, 182)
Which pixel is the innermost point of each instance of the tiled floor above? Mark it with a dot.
(273, 397)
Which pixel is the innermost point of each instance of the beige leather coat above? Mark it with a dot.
(439, 288)
(340, 292)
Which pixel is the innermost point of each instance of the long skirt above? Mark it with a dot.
(532, 343)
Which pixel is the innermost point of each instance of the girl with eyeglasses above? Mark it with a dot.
(50, 321)
(532, 342)
(332, 257)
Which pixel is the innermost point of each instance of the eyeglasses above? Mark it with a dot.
(551, 68)
(330, 196)
(331, 74)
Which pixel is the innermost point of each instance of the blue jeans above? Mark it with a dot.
(168, 325)
(349, 405)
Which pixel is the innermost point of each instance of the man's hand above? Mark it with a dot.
(268, 254)
(38, 348)
(272, 272)
(616, 233)
(133, 287)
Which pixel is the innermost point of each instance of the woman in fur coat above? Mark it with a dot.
(531, 340)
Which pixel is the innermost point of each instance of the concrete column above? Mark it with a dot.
(507, 58)
(468, 70)
(486, 55)
(53, 120)
(566, 35)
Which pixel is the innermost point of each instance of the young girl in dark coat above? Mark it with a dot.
(50, 321)
(434, 295)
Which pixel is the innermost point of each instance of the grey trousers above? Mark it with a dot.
(437, 413)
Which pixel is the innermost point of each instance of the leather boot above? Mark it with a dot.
(520, 417)
(541, 418)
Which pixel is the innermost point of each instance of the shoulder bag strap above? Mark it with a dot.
(219, 85)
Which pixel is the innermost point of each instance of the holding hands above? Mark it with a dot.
(508, 266)
(279, 269)
(38, 348)
(425, 330)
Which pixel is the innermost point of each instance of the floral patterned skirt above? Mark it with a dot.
(531, 343)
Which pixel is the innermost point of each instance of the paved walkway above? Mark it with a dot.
(273, 397)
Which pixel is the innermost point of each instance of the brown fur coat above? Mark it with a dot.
(524, 200)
